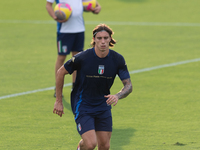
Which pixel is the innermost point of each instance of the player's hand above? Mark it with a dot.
(112, 99)
(89, 8)
(97, 9)
(58, 108)
(61, 21)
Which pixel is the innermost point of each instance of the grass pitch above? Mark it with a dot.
(162, 113)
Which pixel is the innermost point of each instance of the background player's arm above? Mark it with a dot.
(49, 7)
(58, 106)
(97, 9)
(50, 10)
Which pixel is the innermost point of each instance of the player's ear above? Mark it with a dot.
(110, 38)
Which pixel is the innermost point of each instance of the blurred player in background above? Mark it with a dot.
(90, 98)
(70, 33)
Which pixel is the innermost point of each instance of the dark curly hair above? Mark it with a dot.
(103, 27)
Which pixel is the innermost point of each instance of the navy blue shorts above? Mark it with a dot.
(67, 42)
(100, 122)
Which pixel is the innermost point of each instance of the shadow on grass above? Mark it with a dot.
(133, 1)
(121, 137)
(66, 104)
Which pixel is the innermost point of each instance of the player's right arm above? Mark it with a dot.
(49, 7)
(58, 106)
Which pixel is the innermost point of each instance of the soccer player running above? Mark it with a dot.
(90, 98)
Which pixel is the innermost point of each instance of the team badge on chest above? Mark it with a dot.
(101, 69)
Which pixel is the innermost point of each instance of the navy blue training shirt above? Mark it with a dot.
(95, 77)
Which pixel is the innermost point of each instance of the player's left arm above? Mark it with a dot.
(125, 91)
(97, 9)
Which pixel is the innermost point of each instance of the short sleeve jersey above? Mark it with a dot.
(95, 76)
(75, 23)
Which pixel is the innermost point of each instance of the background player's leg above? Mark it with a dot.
(74, 73)
(59, 62)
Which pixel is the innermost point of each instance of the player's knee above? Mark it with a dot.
(105, 146)
(89, 145)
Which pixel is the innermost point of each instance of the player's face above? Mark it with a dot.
(102, 40)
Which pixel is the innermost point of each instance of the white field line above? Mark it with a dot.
(165, 65)
(131, 72)
(30, 92)
(108, 22)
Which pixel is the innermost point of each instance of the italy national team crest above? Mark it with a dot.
(64, 48)
(79, 127)
(101, 69)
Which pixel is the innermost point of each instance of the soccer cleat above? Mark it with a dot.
(78, 148)
(54, 95)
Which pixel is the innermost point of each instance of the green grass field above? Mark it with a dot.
(163, 111)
